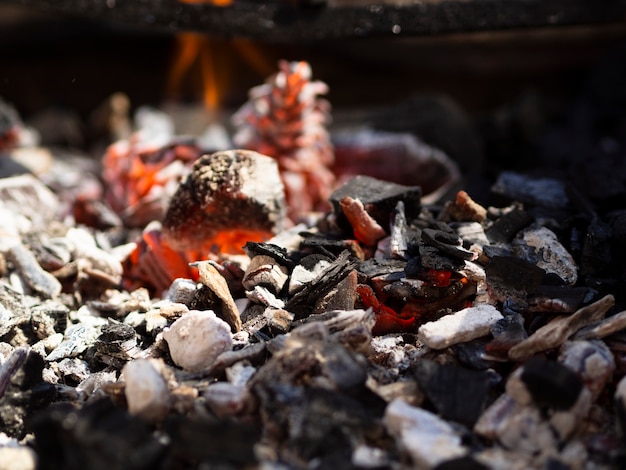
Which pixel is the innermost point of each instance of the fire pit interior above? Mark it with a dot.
(312, 234)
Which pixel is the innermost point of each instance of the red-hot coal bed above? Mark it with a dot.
(312, 234)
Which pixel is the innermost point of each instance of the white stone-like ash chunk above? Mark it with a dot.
(196, 339)
(428, 439)
(541, 246)
(146, 390)
(459, 327)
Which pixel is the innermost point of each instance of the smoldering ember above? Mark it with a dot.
(291, 297)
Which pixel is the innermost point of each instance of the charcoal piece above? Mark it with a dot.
(413, 267)
(463, 209)
(205, 442)
(364, 228)
(77, 339)
(302, 301)
(22, 391)
(541, 247)
(563, 299)
(342, 297)
(379, 197)
(504, 229)
(461, 463)
(448, 243)
(472, 354)
(306, 270)
(512, 277)
(457, 393)
(331, 247)
(264, 271)
(117, 344)
(551, 384)
(596, 256)
(378, 267)
(544, 192)
(97, 436)
(279, 253)
(506, 332)
(432, 258)
(228, 198)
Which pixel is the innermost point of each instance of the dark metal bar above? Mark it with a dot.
(287, 21)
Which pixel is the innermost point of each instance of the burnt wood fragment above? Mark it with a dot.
(504, 229)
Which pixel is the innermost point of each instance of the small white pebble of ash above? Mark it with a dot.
(462, 326)
(196, 339)
(146, 389)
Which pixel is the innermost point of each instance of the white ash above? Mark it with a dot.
(181, 291)
(464, 325)
(146, 389)
(365, 456)
(428, 439)
(76, 340)
(541, 247)
(263, 296)
(86, 248)
(300, 276)
(196, 339)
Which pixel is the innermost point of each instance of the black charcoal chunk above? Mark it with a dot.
(506, 333)
(458, 394)
(544, 192)
(379, 197)
(448, 243)
(98, 436)
(22, 391)
(504, 229)
(379, 267)
(551, 384)
(432, 258)
(512, 277)
(268, 249)
(461, 463)
(216, 443)
(472, 354)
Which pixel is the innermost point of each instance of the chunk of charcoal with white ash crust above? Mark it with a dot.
(181, 291)
(98, 435)
(77, 339)
(341, 297)
(379, 198)
(306, 270)
(550, 384)
(512, 278)
(279, 253)
(378, 267)
(541, 247)
(426, 438)
(593, 361)
(521, 428)
(506, 332)
(23, 392)
(558, 299)
(457, 393)
(432, 258)
(117, 344)
(265, 271)
(544, 192)
(196, 339)
(227, 198)
(302, 301)
(506, 227)
(448, 243)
